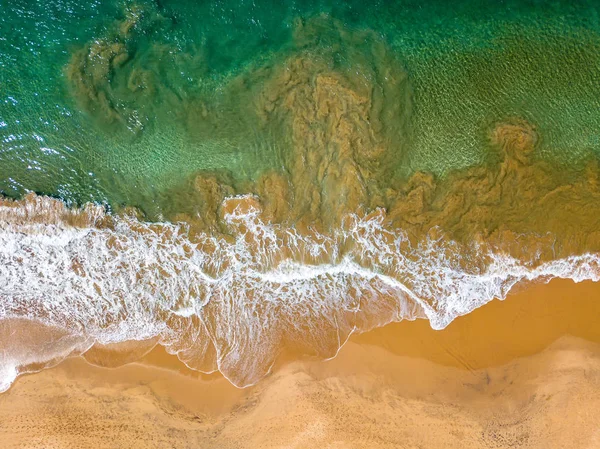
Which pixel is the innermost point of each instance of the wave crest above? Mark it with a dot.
(231, 302)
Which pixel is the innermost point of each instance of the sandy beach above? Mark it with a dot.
(523, 373)
(299, 224)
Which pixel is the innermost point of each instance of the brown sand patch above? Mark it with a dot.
(112, 81)
(524, 324)
(337, 103)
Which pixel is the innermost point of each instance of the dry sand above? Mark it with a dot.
(521, 373)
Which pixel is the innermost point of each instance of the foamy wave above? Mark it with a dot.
(230, 303)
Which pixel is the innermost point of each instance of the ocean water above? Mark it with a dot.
(229, 179)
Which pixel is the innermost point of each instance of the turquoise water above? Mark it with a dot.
(181, 99)
(323, 112)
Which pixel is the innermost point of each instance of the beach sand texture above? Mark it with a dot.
(521, 373)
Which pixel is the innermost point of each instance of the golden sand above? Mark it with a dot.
(520, 373)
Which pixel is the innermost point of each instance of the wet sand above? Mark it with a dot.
(524, 372)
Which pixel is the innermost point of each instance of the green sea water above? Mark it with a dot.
(180, 100)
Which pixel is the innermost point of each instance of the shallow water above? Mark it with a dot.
(288, 173)
(183, 96)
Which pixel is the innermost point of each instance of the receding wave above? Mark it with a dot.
(232, 302)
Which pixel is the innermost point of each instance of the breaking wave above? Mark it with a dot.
(231, 302)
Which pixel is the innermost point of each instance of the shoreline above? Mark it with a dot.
(535, 308)
(538, 315)
(497, 377)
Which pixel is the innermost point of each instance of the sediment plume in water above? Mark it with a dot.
(337, 104)
(331, 243)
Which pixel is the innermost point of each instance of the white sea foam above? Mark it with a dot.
(230, 304)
